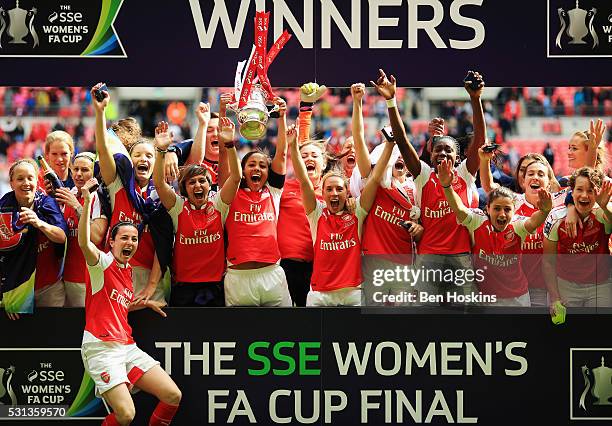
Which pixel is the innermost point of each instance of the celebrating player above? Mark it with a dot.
(109, 353)
(129, 185)
(534, 173)
(389, 232)
(59, 149)
(336, 233)
(33, 235)
(577, 268)
(497, 238)
(445, 245)
(295, 240)
(254, 277)
(585, 148)
(74, 266)
(198, 222)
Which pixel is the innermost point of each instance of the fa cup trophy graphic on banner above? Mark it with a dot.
(252, 91)
(18, 25)
(577, 29)
(601, 388)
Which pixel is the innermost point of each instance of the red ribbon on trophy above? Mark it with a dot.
(260, 59)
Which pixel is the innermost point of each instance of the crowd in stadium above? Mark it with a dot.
(215, 220)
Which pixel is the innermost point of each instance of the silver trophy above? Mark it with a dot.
(18, 25)
(577, 28)
(253, 117)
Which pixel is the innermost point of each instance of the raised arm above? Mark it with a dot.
(549, 270)
(196, 155)
(108, 169)
(603, 199)
(386, 88)
(480, 131)
(99, 227)
(90, 251)
(309, 94)
(368, 195)
(224, 169)
(163, 139)
(486, 177)
(226, 139)
(544, 207)
(361, 150)
(445, 174)
(596, 133)
(279, 162)
(309, 199)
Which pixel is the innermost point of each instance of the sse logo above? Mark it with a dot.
(61, 28)
(579, 28)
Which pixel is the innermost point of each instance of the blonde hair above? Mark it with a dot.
(88, 155)
(600, 159)
(59, 136)
(335, 173)
(20, 162)
(319, 144)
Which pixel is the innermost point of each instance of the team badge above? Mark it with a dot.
(105, 377)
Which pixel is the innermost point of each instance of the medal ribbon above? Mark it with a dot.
(261, 60)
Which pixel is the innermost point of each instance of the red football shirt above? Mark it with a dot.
(109, 294)
(498, 254)
(294, 239)
(584, 259)
(441, 234)
(199, 249)
(337, 248)
(74, 265)
(251, 226)
(123, 210)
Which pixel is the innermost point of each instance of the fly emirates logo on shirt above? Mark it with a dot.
(533, 241)
(338, 242)
(199, 237)
(135, 218)
(442, 210)
(498, 260)
(124, 299)
(395, 217)
(254, 215)
(583, 247)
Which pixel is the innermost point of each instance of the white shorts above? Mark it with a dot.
(75, 294)
(539, 297)
(257, 287)
(585, 295)
(350, 296)
(110, 364)
(140, 278)
(51, 296)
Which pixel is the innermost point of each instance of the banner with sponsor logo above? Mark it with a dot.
(59, 29)
(329, 366)
(422, 42)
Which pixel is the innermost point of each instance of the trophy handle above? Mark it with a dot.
(275, 108)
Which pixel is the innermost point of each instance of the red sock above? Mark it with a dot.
(163, 414)
(110, 420)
